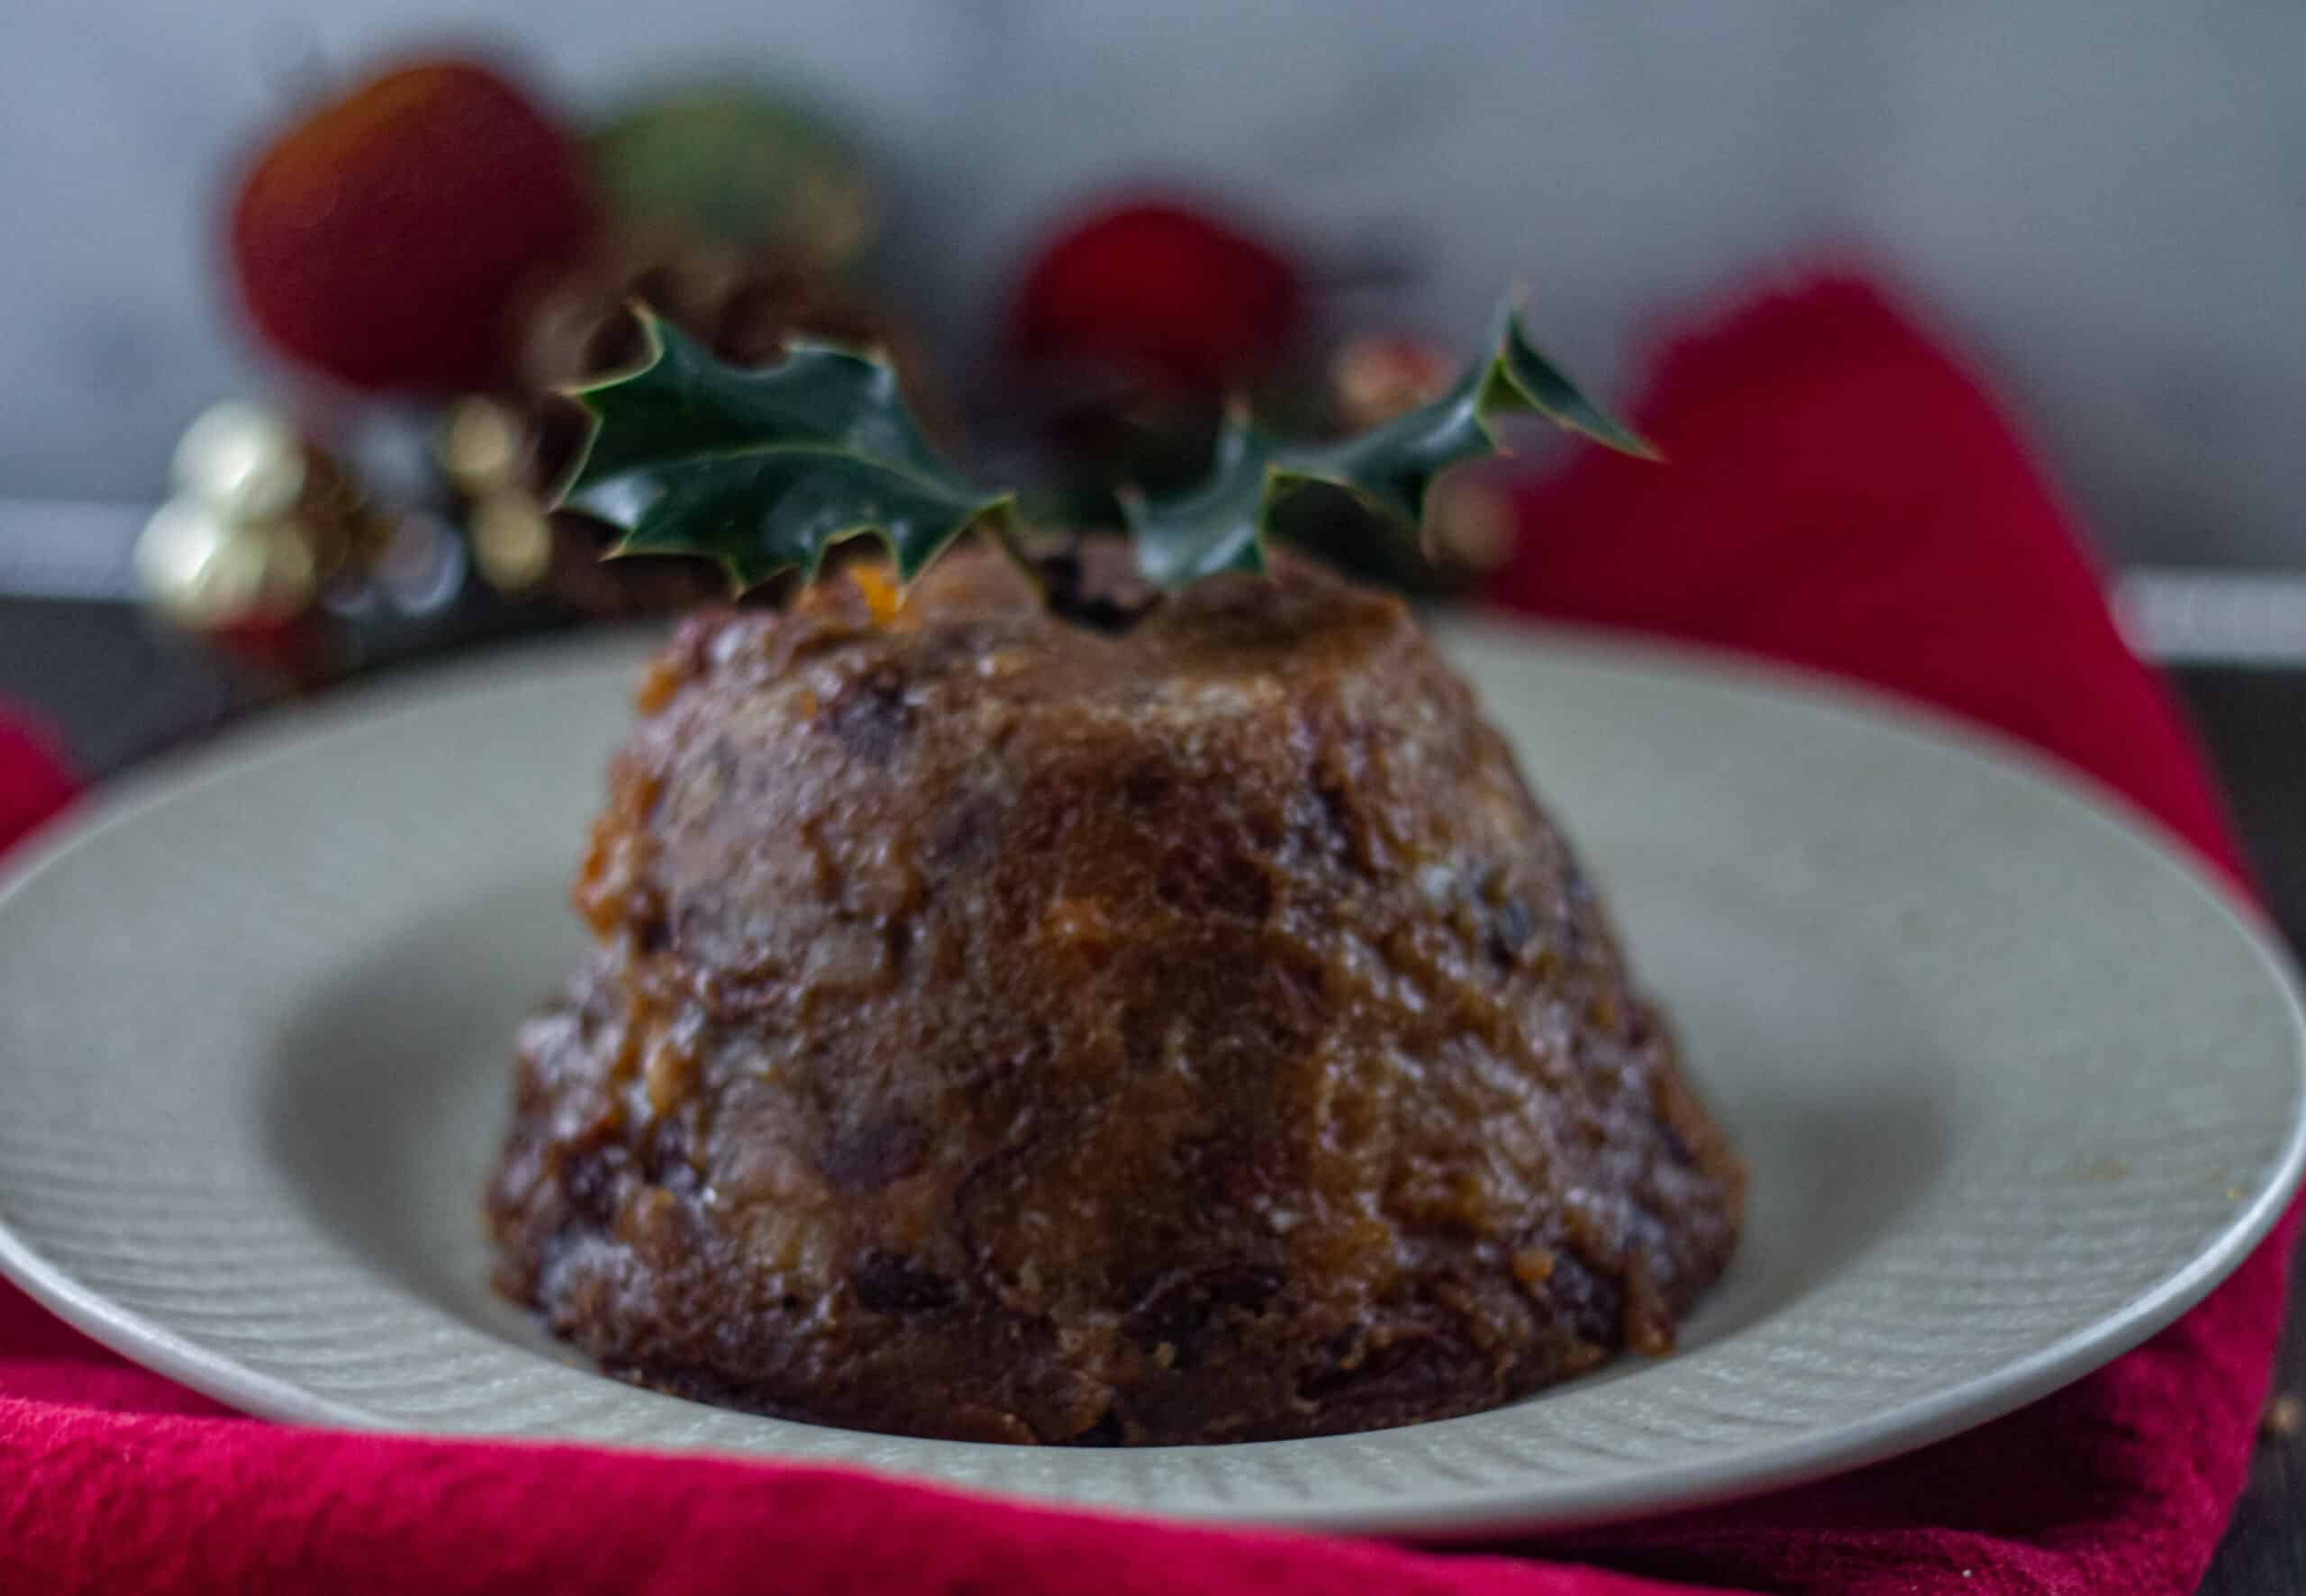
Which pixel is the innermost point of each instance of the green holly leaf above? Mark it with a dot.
(1222, 524)
(766, 470)
(1219, 526)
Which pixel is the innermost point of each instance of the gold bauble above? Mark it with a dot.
(1377, 377)
(484, 445)
(208, 570)
(242, 459)
(1471, 524)
(511, 539)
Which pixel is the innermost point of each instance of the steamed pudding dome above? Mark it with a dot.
(1005, 1031)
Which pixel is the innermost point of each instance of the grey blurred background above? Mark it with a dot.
(2105, 202)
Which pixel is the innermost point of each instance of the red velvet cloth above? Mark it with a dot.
(1839, 494)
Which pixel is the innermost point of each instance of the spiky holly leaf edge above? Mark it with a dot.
(767, 470)
(1223, 524)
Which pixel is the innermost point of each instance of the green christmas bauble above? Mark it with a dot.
(741, 164)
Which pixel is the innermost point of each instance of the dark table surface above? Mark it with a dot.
(119, 690)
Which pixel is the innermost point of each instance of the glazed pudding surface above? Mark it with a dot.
(1005, 1031)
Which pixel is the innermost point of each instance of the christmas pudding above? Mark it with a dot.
(1126, 995)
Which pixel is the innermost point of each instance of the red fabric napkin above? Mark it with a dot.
(1840, 495)
(33, 784)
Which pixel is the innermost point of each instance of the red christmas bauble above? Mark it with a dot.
(381, 239)
(1160, 292)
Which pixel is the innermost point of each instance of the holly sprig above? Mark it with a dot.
(767, 470)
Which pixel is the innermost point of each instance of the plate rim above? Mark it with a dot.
(1470, 1512)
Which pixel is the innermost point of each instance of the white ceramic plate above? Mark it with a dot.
(2016, 1086)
